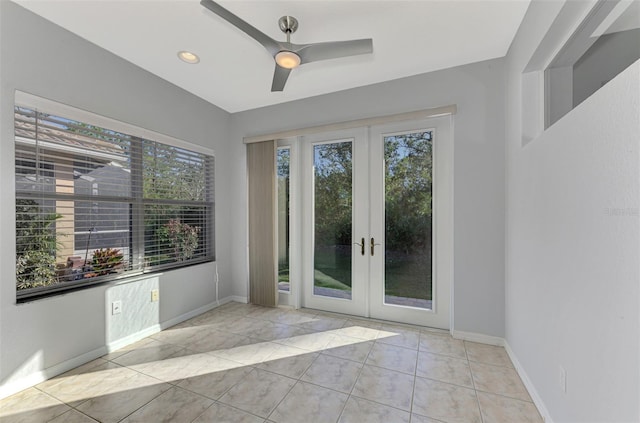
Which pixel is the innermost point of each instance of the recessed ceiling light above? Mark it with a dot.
(188, 57)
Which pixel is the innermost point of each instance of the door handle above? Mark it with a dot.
(361, 244)
(373, 246)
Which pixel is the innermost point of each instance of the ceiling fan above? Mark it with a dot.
(287, 55)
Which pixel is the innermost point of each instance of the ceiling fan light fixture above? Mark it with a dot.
(287, 59)
(188, 57)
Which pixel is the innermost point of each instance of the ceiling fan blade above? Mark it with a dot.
(280, 77)
(334, 49)
(269, 43)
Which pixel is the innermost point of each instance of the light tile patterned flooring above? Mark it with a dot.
(243, 364)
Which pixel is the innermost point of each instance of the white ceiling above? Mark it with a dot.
(235, 72)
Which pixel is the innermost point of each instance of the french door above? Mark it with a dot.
(376, 228)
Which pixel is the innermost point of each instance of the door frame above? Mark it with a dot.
(297, 140)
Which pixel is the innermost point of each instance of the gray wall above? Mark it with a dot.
(572, 245)
(42, 59)
(478, 90)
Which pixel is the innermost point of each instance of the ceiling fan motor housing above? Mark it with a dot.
(288, 24)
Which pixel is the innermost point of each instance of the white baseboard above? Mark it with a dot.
(239, 299)
(542, 409)
(478, 337)
(134, 337)
(15, 386)
(191, 314)
(501, 342)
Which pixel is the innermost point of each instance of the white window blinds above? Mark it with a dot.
(94, 204)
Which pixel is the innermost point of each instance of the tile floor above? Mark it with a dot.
(242, 364)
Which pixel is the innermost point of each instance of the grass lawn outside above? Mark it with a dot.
(325, 281)
(406, 275)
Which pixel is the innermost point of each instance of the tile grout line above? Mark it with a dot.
(88, 399)
(282, 399)
(356, 380)
(76, 410)
(473, 381)
(152, 399)
(182, 389)
(505, 396)
(498, 366)
(71, 408)
(415, 378)
(171, 385)
(296, 379)
(292, 386)
(216, 402)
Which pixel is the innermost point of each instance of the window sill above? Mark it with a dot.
(36, 294)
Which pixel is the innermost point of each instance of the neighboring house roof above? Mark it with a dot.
(61, 139)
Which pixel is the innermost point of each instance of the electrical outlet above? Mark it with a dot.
(116, 307)
(563, 380)
(155, 295)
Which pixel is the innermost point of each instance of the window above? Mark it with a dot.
(605, 44)
(94, 204)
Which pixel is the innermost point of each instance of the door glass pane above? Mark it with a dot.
(333, 216)
(283, 169)
(408, 219)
